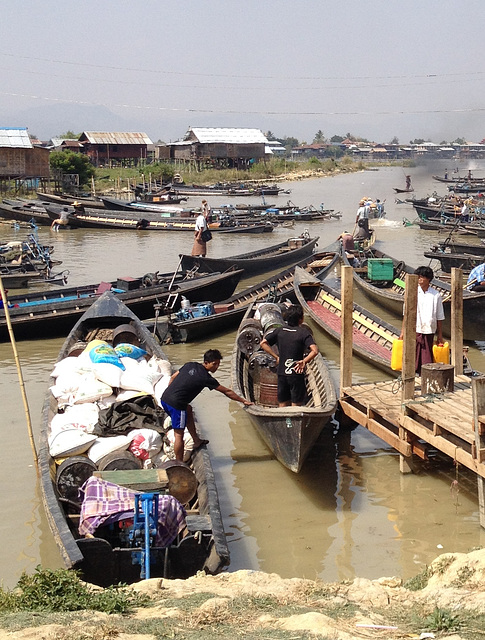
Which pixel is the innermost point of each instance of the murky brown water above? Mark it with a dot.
(349, 513)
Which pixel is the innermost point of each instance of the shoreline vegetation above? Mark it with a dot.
(447, 600)
(276, 170)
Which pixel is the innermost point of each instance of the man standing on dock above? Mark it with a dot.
(429, 318)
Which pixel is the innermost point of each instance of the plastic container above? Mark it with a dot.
(380, 269)
(396, 355)
(441, 353)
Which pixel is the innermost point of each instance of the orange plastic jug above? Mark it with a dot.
(441, 353)
(396, 355)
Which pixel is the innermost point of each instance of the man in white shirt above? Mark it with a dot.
(429, 318)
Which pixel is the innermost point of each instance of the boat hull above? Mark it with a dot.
(289, 432)
(53, 314)
(252, 263)
(201, 547)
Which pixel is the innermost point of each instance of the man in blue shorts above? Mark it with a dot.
(185, 384)
(293, 341)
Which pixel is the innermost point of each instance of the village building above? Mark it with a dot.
(111, 149)
(220, 147)
(20, 161)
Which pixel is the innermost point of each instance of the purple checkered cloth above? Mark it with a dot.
(103, 501)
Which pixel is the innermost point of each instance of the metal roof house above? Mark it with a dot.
(19, 158)
(107, 149)
(221, 147)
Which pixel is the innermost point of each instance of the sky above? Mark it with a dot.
(377, 69)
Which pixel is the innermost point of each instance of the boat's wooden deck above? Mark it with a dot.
(365, 340)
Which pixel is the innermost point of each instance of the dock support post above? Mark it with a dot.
(478, 394)
(409, 338)
(346, 287)
(408, 358)
(457, 320)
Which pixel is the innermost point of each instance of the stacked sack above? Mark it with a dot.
(92, 385)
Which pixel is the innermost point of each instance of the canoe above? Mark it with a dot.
(165, 208)
(21, 212)
(147, 221)
(193, 324)
(448, 260)
(390, 295)
(289, 432)
(64, 199)
(47, 314)
(254, 262)
(372, 336)
(403, 190)
(107, 558)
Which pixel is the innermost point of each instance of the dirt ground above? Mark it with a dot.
(445, 601)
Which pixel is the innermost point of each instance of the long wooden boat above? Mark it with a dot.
(448, 260)
(107, 558)
(41, 314)
(168, 207)
(372, 336)
(23, 212)
(289, 432)
(457, 179)
(254, 262)
(64, 199)
(390, 295)
(397, 190)
(149, 221)
(229, 313)
(462, 247)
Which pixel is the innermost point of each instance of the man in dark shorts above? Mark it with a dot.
(185, 384)
(293, 341)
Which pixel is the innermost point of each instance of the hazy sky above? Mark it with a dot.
(373, 68)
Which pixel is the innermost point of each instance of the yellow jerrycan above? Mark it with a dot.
(396, 355)
(441, 353)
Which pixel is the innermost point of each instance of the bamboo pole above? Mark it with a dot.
(19, 372)
(409, 337)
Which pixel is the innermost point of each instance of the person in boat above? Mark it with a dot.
(446, 174)
(185, 385)
(408, 183)
(429, 318)
(62, 220)
(201, 224)
(362, 232)
(78, 207)
(292, 341)
(476, 279)
(363, 214)
(347, 240)
(470, 176)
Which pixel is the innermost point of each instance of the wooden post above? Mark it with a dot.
(408, 358)
(457, 320)
(478, 394)
(346, 283)
(409, 337)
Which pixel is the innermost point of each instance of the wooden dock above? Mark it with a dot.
(398, 412)
(443, 421)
